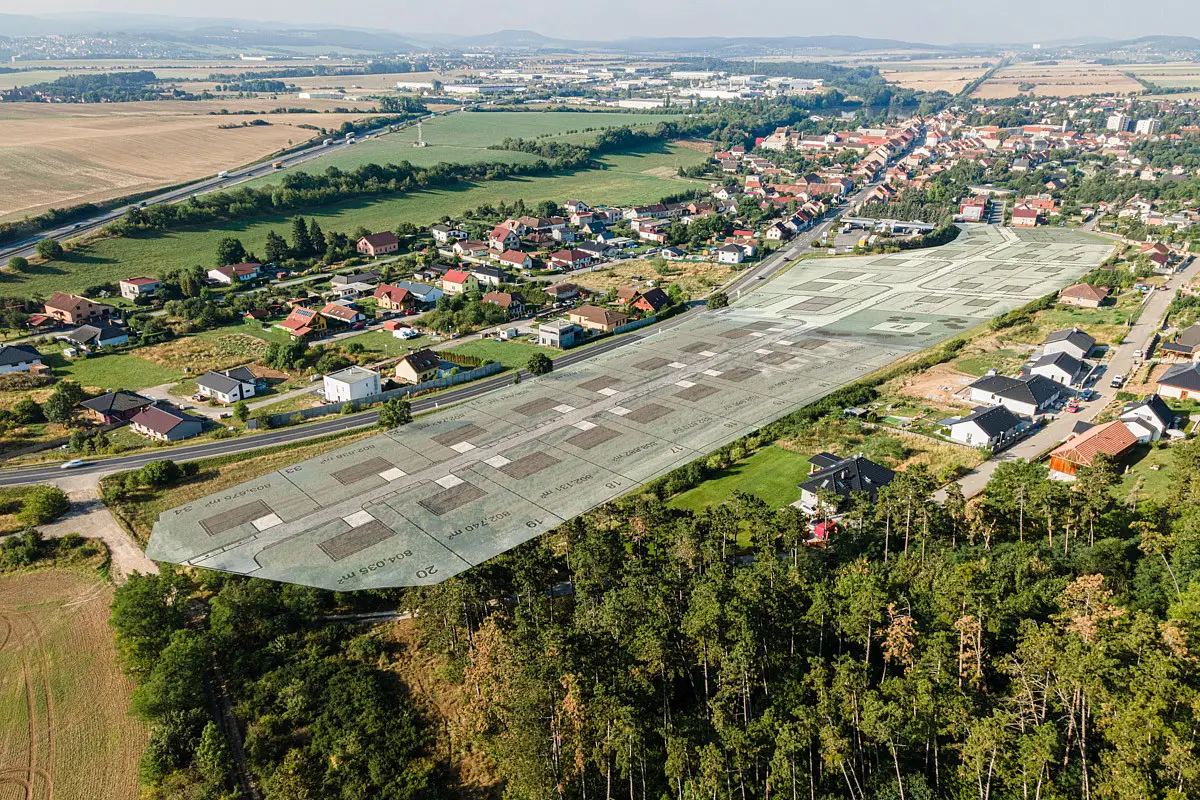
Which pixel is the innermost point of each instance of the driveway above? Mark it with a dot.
(89, 517)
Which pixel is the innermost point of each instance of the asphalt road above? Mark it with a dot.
(25, 247)
(337, 424)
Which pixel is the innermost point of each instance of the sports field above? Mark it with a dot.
(463, 138)
(450, 490)
(642, 176)
(65, 728)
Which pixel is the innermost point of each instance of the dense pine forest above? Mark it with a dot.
(1035, 642)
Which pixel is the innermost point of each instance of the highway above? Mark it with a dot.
(312, 430)
(316, 150)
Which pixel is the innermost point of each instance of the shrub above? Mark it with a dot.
(43, 504)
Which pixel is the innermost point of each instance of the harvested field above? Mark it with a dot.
(950, 80)
(1172, 76)
(200, 354)
(1064, 79)
(65, 728)
(56, 155)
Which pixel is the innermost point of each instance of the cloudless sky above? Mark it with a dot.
(934, 21)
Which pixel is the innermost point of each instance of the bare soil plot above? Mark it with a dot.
(56, 155)
(1064, 79)
(65, 728)
(694, 277)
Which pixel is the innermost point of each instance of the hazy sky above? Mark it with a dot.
(936, 21)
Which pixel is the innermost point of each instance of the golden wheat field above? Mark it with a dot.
(1061, 79)
(65, 728)
(58, 155)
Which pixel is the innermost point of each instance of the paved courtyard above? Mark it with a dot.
(421, 503)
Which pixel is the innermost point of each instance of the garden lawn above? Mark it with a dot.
(1156, 483)
(384, 344)
(113, 371)
(511, 355)
(772, 474)
(637, 177)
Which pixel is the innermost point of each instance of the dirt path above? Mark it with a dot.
(91, 518)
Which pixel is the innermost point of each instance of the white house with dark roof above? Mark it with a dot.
(1072, 341)
(99, 335)
(1059, 367)
(1028, 396)
(1149, 418)
(842, 478)
(225, 387)
(18, 358)
(1180, 382)
(987, 426)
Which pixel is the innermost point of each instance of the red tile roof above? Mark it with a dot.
(1112, 439)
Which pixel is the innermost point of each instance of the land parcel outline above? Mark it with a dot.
(418, 504)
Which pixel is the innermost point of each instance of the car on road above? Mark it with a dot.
(74, 462)
(1117, 381)
(1071, 407)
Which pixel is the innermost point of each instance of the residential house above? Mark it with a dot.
(350, 279)
(227, 387)
(456, 281)
(1059, 367)
(562, 291)
(731, 254)
(1186, 346)
(1028, 396)
(303, 322)
(1072, 341)
(114, 407)
(558, 333)
(597, 250)
(393, 298)
(842, 477)
(1180, 382)
(503, 238)
(1024, 216)
(512, 302)
(133, 288)
(343, 314)
(75, 310)
(973, 210)
(469, 248)
(515, 259)
(489, 276)
(571, 259)
(418, 366)
(100, 335)
(597, 319)
(378, 244)
(165, 424)
(232, 274)
(426, 295)
(19, 358)
(987, 426)
(1148, 419)
(349, 384)
(444, 234)
(648, 300)
(1083, 295)
(1113, 439)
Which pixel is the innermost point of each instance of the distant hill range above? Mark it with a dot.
(280, 38)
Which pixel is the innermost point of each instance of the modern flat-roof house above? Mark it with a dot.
(1059, 367)
(1148, 419)
(597, 319)
(418, 366)
(987, 426)
(228, 386)
(1181, 381)
(235, 273)
(133, 288)
(99, 335)
(1112, 439)
(351, 278)
(1083, 295)
(378, 244)
(1027, 396)
(351, 383)
(558, 333)
(75, 310)
(842, 477)
(165, 424)
(1072, 341)
(18, 358)
(114, 407)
